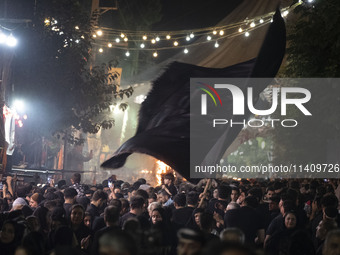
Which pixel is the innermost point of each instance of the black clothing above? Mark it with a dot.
(275, 225)
(245, 218)
(125, 217)
(94, 211)
(67, 208)
(172, 189)
(181, 216)
(82, 232)
(98, 234)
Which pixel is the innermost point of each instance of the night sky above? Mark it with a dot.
(190, 14)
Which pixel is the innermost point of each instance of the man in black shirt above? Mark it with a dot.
(136, 209)
(111, 218)
(99, 199)
(181, 214)
(70, 195)
(169, 186)
(246, 219)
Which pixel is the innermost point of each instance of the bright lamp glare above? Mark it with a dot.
(18, 105)
(11, 41)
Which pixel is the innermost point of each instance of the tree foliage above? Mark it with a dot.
(314, 51)
(55, 72)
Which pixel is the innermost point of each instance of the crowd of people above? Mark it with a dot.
(222, 217)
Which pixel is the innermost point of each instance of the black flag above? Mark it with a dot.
(164, 118)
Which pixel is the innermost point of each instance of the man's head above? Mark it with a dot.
(234, 194)
(180, 200)
(224, 192)
(270, 192)
(274, 203)
(18, 203)
(117, 242)
(169, 179)
(286, 206)
(232, 206)
(251, 201)
(192, 198)
(99, 198)
(111, 215)
(256, 192)
(70, 194)
(324, 227)
(190, 242)
(233, 235)
(76, 177)
(163, 196)
(137, 205)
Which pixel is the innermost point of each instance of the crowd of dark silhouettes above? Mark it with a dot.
(226, 217)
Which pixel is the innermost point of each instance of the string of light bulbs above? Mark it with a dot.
(165, 40)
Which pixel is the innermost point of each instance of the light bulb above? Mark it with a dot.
(145, 37)
(127, 54)
(221, 32)
(246, 34)
(192, 35)
(100, 50)
(186, 51)
(117, 40)
(142, 45)
(175, 43)
(168, 37)
(110, 45)
(240, 30)
(155, 54)
(208, 37)
(11, 41)
(216, 45)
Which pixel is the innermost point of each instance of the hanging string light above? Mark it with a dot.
(182, 38)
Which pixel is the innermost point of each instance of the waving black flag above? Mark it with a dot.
(164, 118)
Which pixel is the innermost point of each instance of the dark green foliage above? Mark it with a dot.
(54, 72)
(314, 51)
